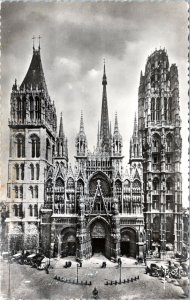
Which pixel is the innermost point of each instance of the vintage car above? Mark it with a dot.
(44, 264)
(36, 260)
(170, 271)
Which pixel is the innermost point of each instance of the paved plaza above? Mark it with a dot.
(30, 283)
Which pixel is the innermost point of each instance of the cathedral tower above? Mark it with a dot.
(159, 128)
(32, 126)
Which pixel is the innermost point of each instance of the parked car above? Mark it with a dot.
(29, 258)
(16, 257)
(36, 260)
(44, 264)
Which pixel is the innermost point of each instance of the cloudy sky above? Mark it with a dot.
(76, 37)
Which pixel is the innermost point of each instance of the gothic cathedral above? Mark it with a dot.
(98, 206)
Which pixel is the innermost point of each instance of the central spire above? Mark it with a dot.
(104, 126)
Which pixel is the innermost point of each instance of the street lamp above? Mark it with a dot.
(9, 259)
(120, 272)
(77, 272)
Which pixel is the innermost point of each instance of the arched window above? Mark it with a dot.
(17, 171)
(155, 184)
(19, 108)
(35, 210)
(137, 184)
(20, 210)
(38, 108)
(169, 142)
(156, 142)
(35, 145)
(36, 191)
(169, 185)
(59, 182)
(20, 141)
(165, 109)
(37, 171)
(32, 171)
(16, 210)
(30, 210)
(47, 149)
(16, 191)
(70, 183)
(31, 108)
(80, 187)
(22, 171)
(126, 186)
(156, 229)
(32, 191)
(21, 191)
(158, 109)
(152, 109)
(170, 109)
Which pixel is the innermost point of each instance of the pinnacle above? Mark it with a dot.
(81, 123)
(61, 132)
(116, 128)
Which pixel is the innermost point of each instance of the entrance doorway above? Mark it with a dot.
(125, 248)
(98, 245)
(100, 237)
(128, 242)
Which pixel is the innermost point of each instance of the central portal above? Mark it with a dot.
(98, 245)
(100, 238)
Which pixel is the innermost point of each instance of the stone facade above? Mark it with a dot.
(97, 205)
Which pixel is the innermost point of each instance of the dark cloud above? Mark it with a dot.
(75, 39)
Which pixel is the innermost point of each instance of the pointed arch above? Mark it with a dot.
(35, 145)
(30, 210)
(37, 171)
(170, 109)
(20, 141)
(104, 182)
(70, 183)
(31, 171)
(17, 171)
(152, 109)
(158, 109)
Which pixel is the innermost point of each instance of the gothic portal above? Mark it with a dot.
(97, 206)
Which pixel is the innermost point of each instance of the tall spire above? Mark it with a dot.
(81, 123)
(135, 130)
(104, 126)
(116, 128)
(61, 133)
(98, 136)
(35, 76)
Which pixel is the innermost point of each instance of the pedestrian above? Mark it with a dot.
(95, 293)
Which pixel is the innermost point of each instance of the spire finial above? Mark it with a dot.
(116, 128)
(81, 122)
(135, 124)
(61, 133)
(104, 80)
(33, 38)
(39, 37)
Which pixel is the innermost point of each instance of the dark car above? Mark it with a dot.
(36, 260)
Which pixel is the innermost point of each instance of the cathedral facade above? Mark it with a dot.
(98, 205)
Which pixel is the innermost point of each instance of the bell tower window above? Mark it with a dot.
(152, 109)
(20, 140)
(35, 145)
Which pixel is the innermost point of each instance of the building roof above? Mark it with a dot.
(35, 78)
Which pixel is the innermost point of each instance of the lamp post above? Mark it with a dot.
(77, 273)
(9, 258)
(120, 272)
